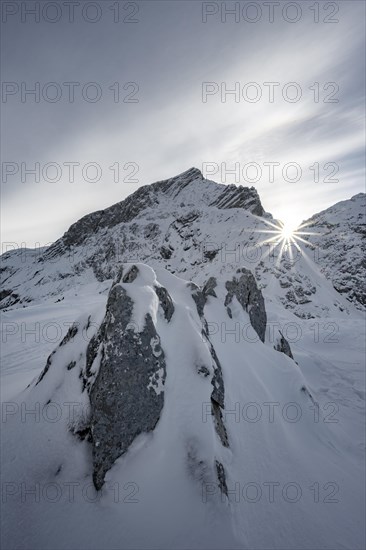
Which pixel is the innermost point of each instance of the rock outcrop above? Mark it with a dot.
(244, 288)
(123, 370)
(283, 346)
(127, 396)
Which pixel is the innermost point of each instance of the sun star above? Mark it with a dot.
(287, 237)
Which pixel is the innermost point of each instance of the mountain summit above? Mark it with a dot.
(188, 189)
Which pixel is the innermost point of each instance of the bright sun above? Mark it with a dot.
(287, 237)
(288, 232)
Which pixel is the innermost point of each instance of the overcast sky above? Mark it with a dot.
(161, 69)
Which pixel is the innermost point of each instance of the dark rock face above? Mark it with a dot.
(166, 252)
(283, 346)
(199, 299)
(71, 333)
(165, 302)
(246, 291)
(240, 197)
(127, 396)
(9, 298)
(219, 423)
(173, 186)
(209, 288)
(218, 392)
(131, 275)
(210, 254)
(221, 477)
(4, 293)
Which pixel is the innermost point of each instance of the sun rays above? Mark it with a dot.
(284, 240)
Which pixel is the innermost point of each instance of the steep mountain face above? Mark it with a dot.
(162, 193)
(195, 228)
(339, 238)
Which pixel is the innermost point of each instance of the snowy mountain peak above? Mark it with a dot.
(189, 188)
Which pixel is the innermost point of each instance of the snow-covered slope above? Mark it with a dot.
(196, 228)
(194, 439)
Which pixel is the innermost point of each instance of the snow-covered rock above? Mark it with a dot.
(125, 370)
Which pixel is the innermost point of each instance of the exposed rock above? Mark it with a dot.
(203, 370)
(283, 346)
(92, 351)
(218, 392)
(71, 333)
(165, 301)
(46, 369)
(166, 252)
(221, 477)
(246, 291)
(219, 423)
(4, 293)
(209, 288)
(127, 396)
(240, 197)
(149, 196)
(131, 275)
(9, 298)
(210, 254)
(198, 297)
